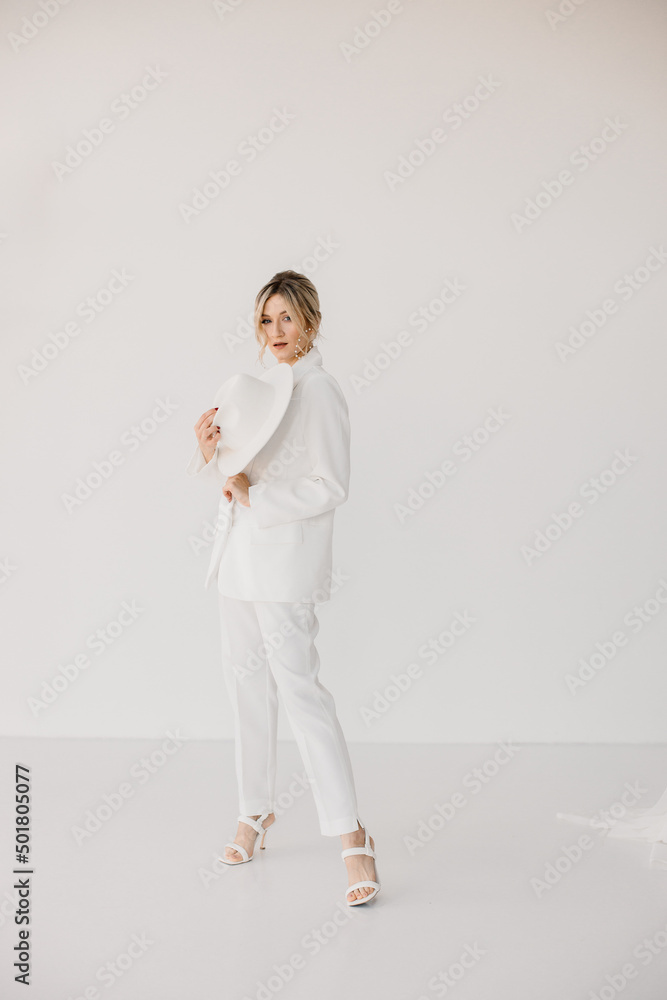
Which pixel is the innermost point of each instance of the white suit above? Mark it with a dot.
(280, 548)
(273, 562)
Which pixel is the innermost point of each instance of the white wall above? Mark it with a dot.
(385, 252)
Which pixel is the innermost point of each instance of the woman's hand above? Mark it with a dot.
(237, 486)
(208, 434)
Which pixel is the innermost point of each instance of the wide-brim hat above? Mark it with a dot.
(249, 410)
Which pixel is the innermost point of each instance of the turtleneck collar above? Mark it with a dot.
(305, 363)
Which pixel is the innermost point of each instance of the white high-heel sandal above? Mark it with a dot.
(368, 883)
(256, 824)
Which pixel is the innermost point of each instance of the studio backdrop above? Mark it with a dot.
(485, 225)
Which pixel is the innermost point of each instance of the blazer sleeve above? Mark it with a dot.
(326, 429)
(198, 466)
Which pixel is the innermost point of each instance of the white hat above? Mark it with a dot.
(249, 411)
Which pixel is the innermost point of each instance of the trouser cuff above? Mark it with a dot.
(336, 827)
(255, 807)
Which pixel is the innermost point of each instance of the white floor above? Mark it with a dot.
(141, 910)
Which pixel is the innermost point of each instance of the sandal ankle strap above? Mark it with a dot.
(366, 849)
(256, 824)
(358, 850)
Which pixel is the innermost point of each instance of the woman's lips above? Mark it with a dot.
(280, 345)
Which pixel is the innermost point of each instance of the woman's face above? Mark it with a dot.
(281, 330)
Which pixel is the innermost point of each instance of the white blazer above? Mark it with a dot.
(280, 547)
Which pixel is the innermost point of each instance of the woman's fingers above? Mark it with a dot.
(206, 419)
(204, 416)
(207, 432)
(238, 486)
(208, 437)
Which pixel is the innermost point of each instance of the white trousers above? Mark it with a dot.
(268, 647)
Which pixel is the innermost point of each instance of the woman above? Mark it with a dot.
(274, 565)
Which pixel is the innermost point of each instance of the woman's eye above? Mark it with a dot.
(265, 321)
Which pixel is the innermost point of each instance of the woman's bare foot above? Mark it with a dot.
(246, 837)
(359, 866)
